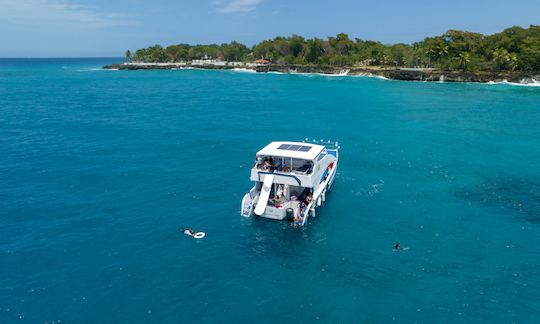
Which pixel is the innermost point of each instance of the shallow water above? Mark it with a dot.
(100, 169)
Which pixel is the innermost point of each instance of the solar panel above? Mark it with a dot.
(294, 147)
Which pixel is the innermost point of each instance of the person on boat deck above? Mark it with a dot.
(302, 207)
(309, 198)
(271, 165)
(278, 201)
(294, 195)
(268, 164)
(281, 190)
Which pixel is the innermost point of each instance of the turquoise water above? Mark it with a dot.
(100, 169)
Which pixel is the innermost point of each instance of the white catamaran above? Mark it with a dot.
(291, 180)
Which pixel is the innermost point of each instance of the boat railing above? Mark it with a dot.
(298, 181)
(330, 145)
(281, 171)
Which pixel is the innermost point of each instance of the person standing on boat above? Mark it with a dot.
(281, 190)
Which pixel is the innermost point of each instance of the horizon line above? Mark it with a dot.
(57, 57)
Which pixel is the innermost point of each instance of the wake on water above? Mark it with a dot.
(243, 70)
(534, 83)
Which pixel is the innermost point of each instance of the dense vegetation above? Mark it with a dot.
(183, 52)
(514, 49)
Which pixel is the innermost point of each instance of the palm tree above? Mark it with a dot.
(431, 50)
(464, 60)
(442, 50)
(501, 57)
(513, 61)
(128, 56)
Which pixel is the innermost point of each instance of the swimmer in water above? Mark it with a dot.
(188, 231)
(397, 247)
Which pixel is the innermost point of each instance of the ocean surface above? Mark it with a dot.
(100, 169)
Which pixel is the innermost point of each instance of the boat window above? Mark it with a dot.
(321, 155)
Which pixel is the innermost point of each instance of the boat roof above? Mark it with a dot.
(297, 150)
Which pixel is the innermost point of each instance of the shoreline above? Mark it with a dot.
(403, 74)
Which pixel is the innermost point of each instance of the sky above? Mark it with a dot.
(93, 28)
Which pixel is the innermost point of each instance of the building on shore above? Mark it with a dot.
(262, 62)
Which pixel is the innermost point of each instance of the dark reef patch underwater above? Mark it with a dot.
(520, 196)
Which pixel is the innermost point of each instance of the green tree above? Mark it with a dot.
(342, 44)
(529, 50)
(265, 50)
(442, 50)
(176, 53)
(314, 50)
(513, 61)
(234, 51)
(464, 60)
(296, 45)
(514, 48)
(400, 54)
(502, 59)
(431, 51)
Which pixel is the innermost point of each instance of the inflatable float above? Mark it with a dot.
(199, 235)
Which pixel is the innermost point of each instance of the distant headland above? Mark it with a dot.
(457, 56)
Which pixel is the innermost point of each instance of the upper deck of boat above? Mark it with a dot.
(295, 150)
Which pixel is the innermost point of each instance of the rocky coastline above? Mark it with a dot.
(404, 74)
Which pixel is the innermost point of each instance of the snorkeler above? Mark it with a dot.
(192, 233)
(188, 231)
